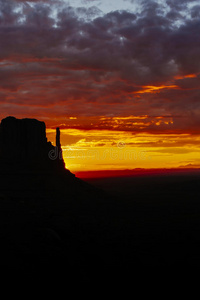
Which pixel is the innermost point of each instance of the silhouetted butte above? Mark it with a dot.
(24, 146)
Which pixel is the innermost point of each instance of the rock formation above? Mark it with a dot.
(60, 160)
(23, 145)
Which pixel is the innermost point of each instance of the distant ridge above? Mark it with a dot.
(136, 172)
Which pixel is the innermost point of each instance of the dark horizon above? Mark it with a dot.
(137, 172)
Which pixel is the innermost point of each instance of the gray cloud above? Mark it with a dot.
(59, 55)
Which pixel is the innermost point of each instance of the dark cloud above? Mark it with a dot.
(151, 8)
(174, 15)
(195, 11)
(8, 15)
(83, 62)
(179, 4)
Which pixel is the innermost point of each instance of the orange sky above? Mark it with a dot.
(85, 150)
(122, 81)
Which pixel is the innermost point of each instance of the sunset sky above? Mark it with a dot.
(121, 78)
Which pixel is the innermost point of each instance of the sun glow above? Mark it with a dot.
(117, 150)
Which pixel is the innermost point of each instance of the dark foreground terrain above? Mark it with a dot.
(56, 227)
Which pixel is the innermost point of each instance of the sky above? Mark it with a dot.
(121, 78)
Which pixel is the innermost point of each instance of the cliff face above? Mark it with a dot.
(23, 144)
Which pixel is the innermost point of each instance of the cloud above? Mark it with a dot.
(195, 11)
(78, 61)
